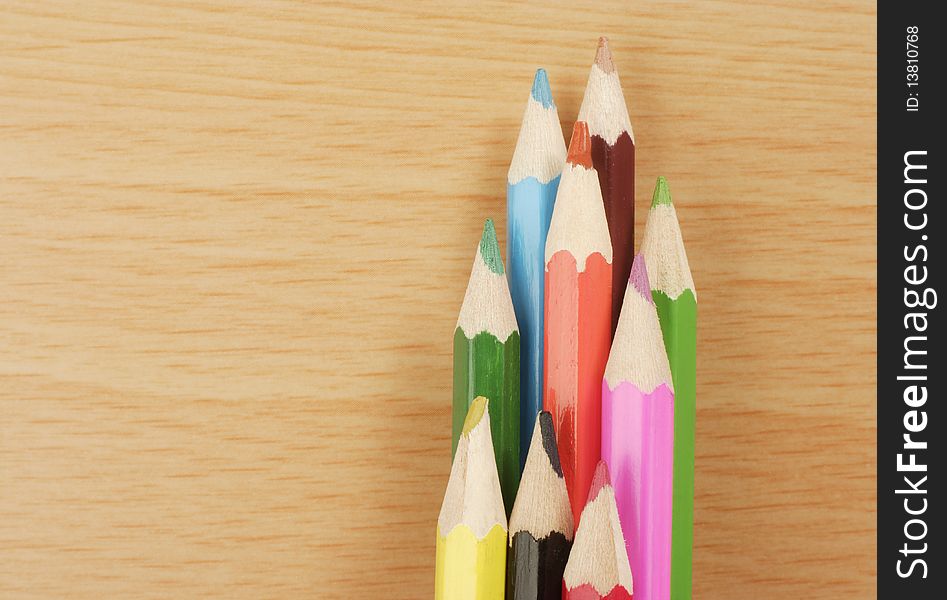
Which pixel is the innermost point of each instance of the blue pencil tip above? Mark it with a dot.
(541, 91)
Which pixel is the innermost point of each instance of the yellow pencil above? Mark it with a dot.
(471, 529)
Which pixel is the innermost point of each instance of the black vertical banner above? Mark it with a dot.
(911, 369)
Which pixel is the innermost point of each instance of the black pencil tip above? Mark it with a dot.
(548, 434)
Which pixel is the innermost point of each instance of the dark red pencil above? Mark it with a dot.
(613, 156)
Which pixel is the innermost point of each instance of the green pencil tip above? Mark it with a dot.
(474, 414)
(662, 195)
(490, 248)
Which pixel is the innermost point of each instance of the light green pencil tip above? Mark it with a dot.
(490, 248)
(474, 414)
(662, 195)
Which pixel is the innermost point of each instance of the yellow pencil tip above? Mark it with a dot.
(474, 414)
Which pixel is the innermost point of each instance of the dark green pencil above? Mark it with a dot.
(487, 360)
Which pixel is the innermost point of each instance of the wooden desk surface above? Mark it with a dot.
(234, 240)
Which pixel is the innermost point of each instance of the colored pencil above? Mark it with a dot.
(613, 156)
(638, 436)
(487, 360)
(541, 523)
(598, 564)
(470, 559)
(578, 317)
(672, 288)
(531, 187)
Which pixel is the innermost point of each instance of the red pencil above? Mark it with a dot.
(598, 564)
(577, 317)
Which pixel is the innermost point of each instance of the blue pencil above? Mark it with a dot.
(532, 183)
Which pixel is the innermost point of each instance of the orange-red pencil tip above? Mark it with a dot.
(580, 147)
(603, 56)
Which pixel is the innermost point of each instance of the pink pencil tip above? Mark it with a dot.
(639, 277)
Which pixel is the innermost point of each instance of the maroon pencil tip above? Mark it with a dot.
(580, 146)
(603, 56)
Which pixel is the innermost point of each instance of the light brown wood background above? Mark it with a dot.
(234, 240)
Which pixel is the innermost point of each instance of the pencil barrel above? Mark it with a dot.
(615, 164)
(638, 446)
(577, 340)
(534, 567)
(485, 366)
(470, 568)
(678, 318)
(588, 592)
(529, 210)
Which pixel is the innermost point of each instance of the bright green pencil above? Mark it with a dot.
(487, 360)
(672, 288)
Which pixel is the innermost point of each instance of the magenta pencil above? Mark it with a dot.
(638, 436)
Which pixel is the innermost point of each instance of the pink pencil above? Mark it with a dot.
(638, 436)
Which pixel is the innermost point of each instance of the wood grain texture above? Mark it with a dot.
(234, 240)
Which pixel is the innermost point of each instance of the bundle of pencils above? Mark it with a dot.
(583, 436)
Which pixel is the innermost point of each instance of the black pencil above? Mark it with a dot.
(541, 523)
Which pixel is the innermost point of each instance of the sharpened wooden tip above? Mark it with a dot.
(580, 146)
(603, 56)
(474, 414)
(599, 480)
